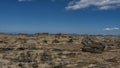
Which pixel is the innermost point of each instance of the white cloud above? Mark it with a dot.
(100, 4)
(24, 0)
(114, 28)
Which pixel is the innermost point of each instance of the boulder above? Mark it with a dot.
(91, 44)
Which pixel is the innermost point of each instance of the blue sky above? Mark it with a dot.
(65, 16)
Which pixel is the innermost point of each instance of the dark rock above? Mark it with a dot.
(45, 41)
(70, 41)
(55, 41)
(46, 57)
(92, 45)
(35, 65)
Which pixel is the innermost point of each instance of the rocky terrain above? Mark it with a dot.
(43, 50)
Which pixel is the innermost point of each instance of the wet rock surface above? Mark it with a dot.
(59, 51)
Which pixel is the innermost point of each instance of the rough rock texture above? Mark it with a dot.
(93, 45)
(43, 50)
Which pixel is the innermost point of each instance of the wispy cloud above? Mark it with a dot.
(24, 0)
(110, 29)
(99, 4)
